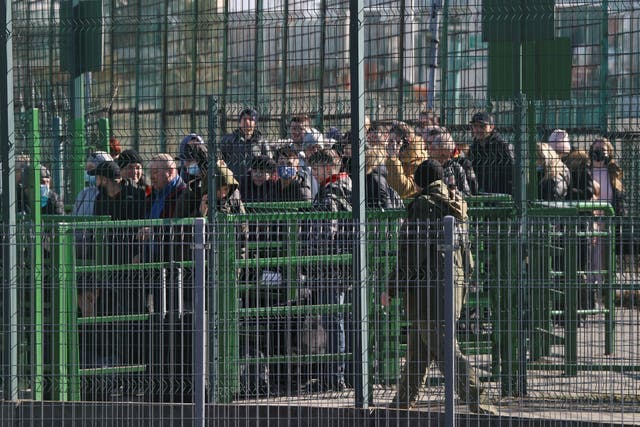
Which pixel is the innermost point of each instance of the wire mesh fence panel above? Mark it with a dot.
(324, 143)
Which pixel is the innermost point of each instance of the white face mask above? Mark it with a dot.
(44, 195)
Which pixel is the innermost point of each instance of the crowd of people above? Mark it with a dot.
(402, 162)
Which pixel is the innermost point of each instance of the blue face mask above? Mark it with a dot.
(90, 179)
(540, 168)
(287, 172)
(193, 170)
(44, 195)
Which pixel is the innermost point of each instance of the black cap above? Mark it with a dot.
(108, 169)
(199, 153)
(248, 112)
(128, 157)
(429, 171)
(483, 118)
(263, 163)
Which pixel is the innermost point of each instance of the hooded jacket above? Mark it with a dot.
(400, 170)
(420, 258)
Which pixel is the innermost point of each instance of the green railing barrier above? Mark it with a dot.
(493, 296)
(492, 304)
(556, 255)
(65, 368)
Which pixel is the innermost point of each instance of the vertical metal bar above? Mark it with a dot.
(9, 251)
(436, 6)
(139, 77)
(400, 82)
(58, 170)
(360, 289)
(212, 294)
(604, 68)
(194, 66)
(609, 287)
(103, 135)
(321, 65)
(284, 99)
(36, 297)
(164, 70)
(221, 111)
(449, 323)
(258, 59)
(199, 327)
(78, 138)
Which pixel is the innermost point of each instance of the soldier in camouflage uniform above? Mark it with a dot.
(421, 268)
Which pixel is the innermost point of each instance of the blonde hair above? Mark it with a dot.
(373, 157)
(553, 166)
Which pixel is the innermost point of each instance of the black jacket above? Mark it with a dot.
(237, 151)
(379, 194)
(492, 160)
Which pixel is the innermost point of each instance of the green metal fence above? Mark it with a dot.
(551, 305)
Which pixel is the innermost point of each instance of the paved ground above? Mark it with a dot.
(608, 395)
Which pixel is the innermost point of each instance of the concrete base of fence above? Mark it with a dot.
(111, 414)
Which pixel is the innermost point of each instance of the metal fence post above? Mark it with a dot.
(360, 268)
(449, 323)
(199, 319)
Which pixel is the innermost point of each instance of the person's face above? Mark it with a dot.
(439, 152)
(600, 146)
(297, 132)
(259, 176)
(160, 175)
(394, 144)
(374, 138)
(132, 171)
(293, 162)
(481, 130)
(101, 182)
(247, 125)
(45, 181)
(222, 192)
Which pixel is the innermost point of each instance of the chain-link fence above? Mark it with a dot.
(324, 180)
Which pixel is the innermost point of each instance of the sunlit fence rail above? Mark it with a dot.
(548, 320)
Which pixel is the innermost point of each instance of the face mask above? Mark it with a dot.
(286, 172)
(90, 179)
(44, 195)
(193, 170)
(540, 168)
(598, 155)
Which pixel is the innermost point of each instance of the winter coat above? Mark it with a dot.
(298, 190)
(554, 188)
(420, 257)
(455, 176)
(581, 178)
(237, 151)
(400, 170)
(379, 194)
(467, 166)
(492, 159)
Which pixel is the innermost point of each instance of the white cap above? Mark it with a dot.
(98, 157)
(313, 137)
(559, 141)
